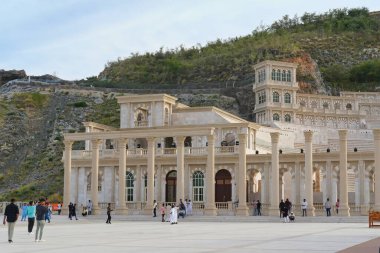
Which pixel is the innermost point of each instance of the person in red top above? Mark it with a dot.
(337, 206)
(162, 210)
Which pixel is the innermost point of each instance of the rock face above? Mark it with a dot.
(8, 75)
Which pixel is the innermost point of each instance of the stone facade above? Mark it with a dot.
(167, 151)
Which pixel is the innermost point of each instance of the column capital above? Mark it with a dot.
(123, 140)
(95, 143)
(308, 136)
(376, 134)
(151, 139)
(68, 144)
(343, 134)
(180, 139)
(275, 136)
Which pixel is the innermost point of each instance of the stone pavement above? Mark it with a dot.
(193, 234)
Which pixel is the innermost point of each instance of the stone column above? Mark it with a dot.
(67, 176)
(210, 208)
(344, 209)
(297, 183)
(121, 208)
(138, 184)
(376, 139)
(94, 176)
(274, 200)
(309, 172)
(242, 209)
(180, 168)
(150, 174)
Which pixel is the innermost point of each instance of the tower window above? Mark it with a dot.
(287, 98)
(276, 97)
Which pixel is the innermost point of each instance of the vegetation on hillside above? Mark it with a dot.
(340, 37)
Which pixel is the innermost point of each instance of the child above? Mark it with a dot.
(292, 218)
(162, 210)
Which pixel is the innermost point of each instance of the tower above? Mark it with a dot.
(275, 89)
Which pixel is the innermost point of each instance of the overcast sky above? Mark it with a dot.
(74, 39)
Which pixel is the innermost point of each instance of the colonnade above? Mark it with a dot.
(270, 176)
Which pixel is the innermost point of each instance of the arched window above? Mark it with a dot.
(276, 117)
(278, 75)
(284, 76)
(337, 106)
(262, 97)
(276, 97)
(129, 185)
(287, 118)
(198, 186)
(325, 105)
(288, 76)
(349, 107)
(287, 98)
(273, 74)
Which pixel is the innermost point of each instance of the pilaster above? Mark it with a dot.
(210, 208)
(121, 208)
(67, 176)
(274, 200)
(242, 209)
(344, 209)
(309, 172)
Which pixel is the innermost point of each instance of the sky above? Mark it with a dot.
(74, 39)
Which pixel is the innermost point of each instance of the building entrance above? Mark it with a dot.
(223, 186)
(171, 186)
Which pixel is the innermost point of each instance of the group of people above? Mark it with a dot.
(33, 211)
(327, 206)
(286, 210)
(171, 212)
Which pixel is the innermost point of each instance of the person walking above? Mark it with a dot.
(23, 214)
(71, 211)
(328, 207)
(337, 204)
(11, 215)
(304, 208)
(281, 207)
(74, 211)
(258, 207)
(254, 204)
(109, 210)
(41, 211)
(154, 208)
(189, 207)
(89, 207)
(48, 214)
(288, 204)
(31, 213)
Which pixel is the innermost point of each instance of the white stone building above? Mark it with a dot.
(167, 151)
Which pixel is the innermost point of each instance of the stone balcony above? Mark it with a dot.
(141, 152)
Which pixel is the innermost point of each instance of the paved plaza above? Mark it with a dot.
(224, 234)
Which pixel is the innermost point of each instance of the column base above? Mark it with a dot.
(364, 209)
(65, 211)
(344, 211)
(242, 211)
(310, 211)
(95, 210)
(148, 210)
(210, 210)
(122, 210)
(273, 211)
(376, 208)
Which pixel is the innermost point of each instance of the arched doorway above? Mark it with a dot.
(171, 186)
(223, 187)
